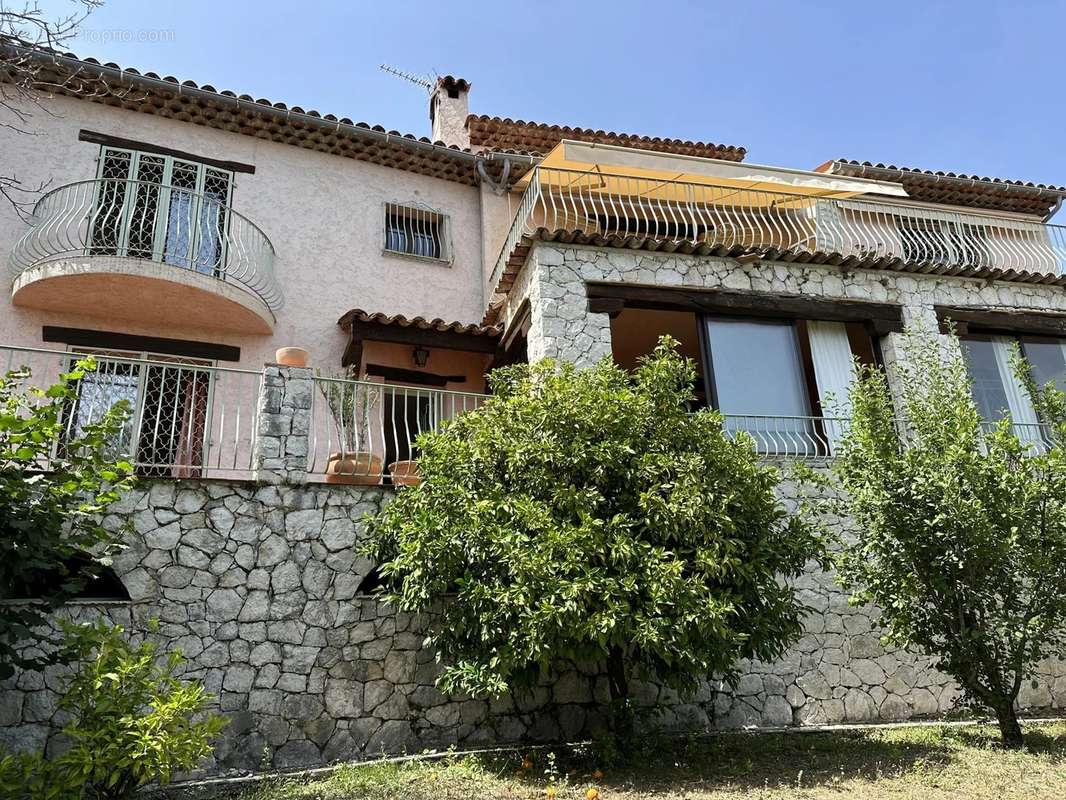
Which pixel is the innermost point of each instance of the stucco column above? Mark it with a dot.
(561, 326)
(284, 425)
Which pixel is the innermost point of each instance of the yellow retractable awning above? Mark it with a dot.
(591, 167)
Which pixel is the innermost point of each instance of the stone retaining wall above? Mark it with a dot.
(259, 587)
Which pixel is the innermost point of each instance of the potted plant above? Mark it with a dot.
(352, 404)
(405, 473)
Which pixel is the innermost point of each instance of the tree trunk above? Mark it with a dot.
(1009, 729)
(620, 715)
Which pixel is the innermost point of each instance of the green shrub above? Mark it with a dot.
(133, 722)
(958, 530)
(590, 515)
(52, 540)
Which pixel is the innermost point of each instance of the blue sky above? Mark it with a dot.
(968, 87)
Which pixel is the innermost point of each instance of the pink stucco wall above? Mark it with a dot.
(322, 213)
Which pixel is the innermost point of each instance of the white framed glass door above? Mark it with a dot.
(161, 208)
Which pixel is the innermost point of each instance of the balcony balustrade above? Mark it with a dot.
(119, 247)
(194, 420)
(607, 209)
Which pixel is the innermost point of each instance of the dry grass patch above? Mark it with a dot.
(923, 763)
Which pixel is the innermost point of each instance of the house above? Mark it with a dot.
(187, 234)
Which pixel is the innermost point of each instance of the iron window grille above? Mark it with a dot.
(416, 231)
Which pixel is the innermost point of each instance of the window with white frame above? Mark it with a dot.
(161, 208)
(169, 402)
(416, 231)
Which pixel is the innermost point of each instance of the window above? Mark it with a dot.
(161, 208)
(419, 232)
(775, 379)
(997, 391)
(169, 400)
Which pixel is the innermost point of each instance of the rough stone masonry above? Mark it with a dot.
(259, 587)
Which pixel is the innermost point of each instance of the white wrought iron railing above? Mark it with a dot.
(187, 420)
(812, 438)
(362, 431)
(151, 221)
(728, 221)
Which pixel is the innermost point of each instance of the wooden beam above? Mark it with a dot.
(445, 340)
(353, 353)
(107, 340)
(606, 297)
(412, 375)
(146, 147)
(1006, 320)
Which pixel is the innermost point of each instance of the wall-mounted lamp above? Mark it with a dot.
(420, 355)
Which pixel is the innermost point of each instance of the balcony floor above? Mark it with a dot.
(144, 291)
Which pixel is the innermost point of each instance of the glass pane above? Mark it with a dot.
(173, 419)
(105, 225)
(145, 206)
(211, 221)
(97, 392)
(759, 384)
(418, 236)
(180, 215)
(1048, 360)
(988, 390)
(757, 368)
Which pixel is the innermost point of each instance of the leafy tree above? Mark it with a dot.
(589, 515)
(54, 485)
(132, 723)
(959, 525)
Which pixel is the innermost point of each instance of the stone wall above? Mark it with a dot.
(554, 278)
(259, 586)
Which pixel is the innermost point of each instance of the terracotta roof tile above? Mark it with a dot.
(109, 84)
(399, 320)
(537, 138)
(956, 188)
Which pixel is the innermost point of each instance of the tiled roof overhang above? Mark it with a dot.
(112, 85)
(364, 326)
(518, 259)
(536, 138)
(421, 323)
(950, 188)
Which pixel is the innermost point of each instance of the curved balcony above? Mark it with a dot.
(149, 252)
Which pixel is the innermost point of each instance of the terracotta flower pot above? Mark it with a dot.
(292, 357)
(358, 469)
(405, 473)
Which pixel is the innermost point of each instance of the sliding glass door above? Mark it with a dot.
(784, 382)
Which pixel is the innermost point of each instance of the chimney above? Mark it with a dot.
(448, 109)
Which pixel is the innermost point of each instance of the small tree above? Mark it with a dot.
(56, 480)
(589, 515)
(959, 531)
(132, 723)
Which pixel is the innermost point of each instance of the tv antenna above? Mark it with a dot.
(418, 80)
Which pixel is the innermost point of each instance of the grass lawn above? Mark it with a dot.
(924, 762)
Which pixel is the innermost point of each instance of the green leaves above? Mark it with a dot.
(958, 530)
(55, 480)
(579, 513)
(132, 723)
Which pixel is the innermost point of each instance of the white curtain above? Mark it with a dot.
(834, 371)
(1022, 413)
